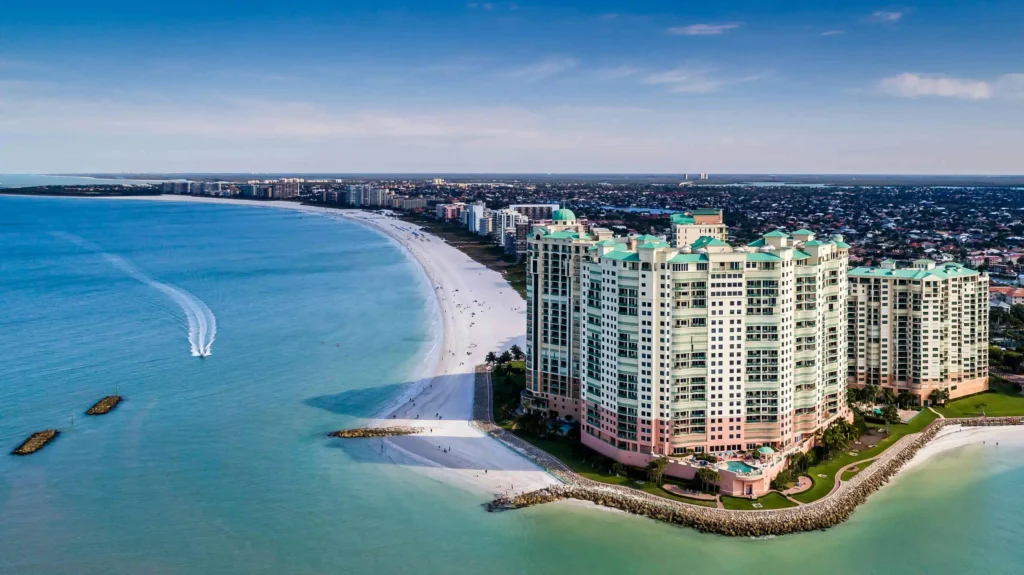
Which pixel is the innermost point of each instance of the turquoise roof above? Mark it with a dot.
(705, 241)
(843, 245)
(776, 234)
(759, 242)
(653, 245)
(762, 257)
(683, 219)
(942, 271)
(688, 258)
(623, 256)
(564, 235)
(647, 237)
(803, 233)
(814, 243)
(799, 255)
(563, 215)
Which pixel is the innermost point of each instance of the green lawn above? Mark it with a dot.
(768, 501)
(1002, 399)
(823, 485)
(562, 450)
(847, 475)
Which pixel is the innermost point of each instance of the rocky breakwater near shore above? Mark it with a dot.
(36, 441)
(105, 405)
(831, 510)
(375, 432)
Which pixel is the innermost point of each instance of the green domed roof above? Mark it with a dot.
(563, 215)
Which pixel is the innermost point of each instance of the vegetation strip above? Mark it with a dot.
(375, 432)
(105, 405)
(36, 441)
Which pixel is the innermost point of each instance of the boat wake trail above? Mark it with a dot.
(202, 324)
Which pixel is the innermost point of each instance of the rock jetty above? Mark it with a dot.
(36, 441)
(105, 405)
(826, 512)
(375, 432)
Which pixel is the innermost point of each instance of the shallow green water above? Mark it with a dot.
(219, 466)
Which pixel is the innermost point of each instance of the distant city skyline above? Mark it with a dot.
(512, 87)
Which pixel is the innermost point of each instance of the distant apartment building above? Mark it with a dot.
(409, 203)
(477, 218)
(449, 212)
(919, 327)
(535, 211)
(287, 188)
(553, 319)
(691, 226)
(503, 222)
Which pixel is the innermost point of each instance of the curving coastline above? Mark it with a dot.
(821, 514)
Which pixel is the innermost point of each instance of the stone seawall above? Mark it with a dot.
(826, 512)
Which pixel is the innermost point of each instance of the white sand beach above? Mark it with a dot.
(479, 312)
(956, 436)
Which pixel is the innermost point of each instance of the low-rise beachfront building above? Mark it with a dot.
(703, 223)
(918, 328)
(554, 253)
(710, 348)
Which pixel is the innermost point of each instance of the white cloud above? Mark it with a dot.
(888, 16)
(702, 29)
(541, 70)
(909, 85)
(833, 33)
(693, 80)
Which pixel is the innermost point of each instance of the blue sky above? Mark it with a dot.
(438, 86)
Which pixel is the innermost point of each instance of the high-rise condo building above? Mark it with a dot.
(918, 328)
(709, 348)
(691, 226)
(553, 320)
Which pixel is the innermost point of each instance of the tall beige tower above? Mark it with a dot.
(553, 319)
(710, 347)
(919, 327)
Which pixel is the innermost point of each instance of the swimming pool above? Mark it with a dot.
(739, 467)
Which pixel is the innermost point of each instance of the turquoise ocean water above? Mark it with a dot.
(218, 465)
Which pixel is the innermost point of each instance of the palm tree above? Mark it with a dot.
(888, 397)
(656, 470)
(708, 476)
(870, 393)
(905, 398)
(491, 357)
(517, 352)
(619, 469)
(505, 357)
(938, 397)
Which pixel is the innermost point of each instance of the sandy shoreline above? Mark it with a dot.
(957, 436)
(461, 288)
(479, 312)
